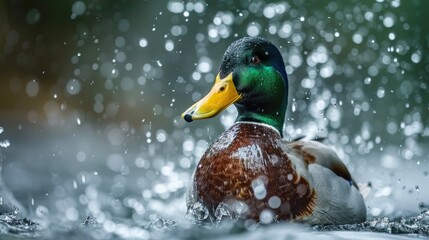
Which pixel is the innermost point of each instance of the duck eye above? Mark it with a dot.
(255, 60)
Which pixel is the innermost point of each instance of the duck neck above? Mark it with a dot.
(267, 115)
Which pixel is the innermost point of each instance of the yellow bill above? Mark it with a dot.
(222, 94)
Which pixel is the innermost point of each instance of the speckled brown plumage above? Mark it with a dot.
(306, 156)
(242, 154)
(337, 167)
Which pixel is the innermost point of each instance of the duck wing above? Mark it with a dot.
(315, 152)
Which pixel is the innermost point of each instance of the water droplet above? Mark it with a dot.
(4, 143)
(259, 190)
(266, 216)
(199, 211)
(15, 210)
(240, 207)
(221, 211)
(90, 221)
(274, 202)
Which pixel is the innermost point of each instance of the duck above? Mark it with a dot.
(250, 171)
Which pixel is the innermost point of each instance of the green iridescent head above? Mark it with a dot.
(252, 76)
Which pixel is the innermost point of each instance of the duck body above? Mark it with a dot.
(249, 171)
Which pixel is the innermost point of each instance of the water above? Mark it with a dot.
(91, 140)
(413, 227)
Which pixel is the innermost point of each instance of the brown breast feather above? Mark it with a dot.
(242, 154)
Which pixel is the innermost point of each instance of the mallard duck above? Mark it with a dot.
(249, 169)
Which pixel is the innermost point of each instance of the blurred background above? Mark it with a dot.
(92, 91)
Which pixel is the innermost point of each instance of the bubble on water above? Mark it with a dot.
(269, 11)
(308, 83)
(295, 60)
(73, 86)
(33, 16)
(259, 189)
(253, 29)
(143, 42)
(326, 71)
(175, 6)
(177, 30)
(367, 80)
(274, 202)
(169, 45)
(199, 7)
(161, 135)
(389, 20)
(78, 8)
(32, 88)
(380, 92)
(416, 57)
(357, 38)
(204, 65)
(266, 216)
(286, 30)
(188, 146)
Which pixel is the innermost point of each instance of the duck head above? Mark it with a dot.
(252, 76)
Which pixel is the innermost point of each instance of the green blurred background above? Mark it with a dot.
(54, 42)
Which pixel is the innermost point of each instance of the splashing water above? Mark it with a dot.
(418, 224)
(3, 143)
(161, 228)
(11, 224)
